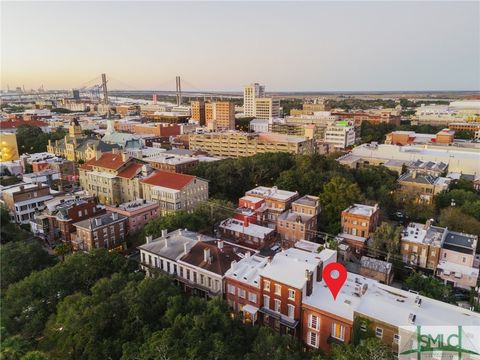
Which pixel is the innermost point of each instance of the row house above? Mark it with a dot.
(163, 253)
(358, 222)
(105, 231)
(300, 222)
(285, 282)
(202, 269)
(139, 213)
(25, 200)
(55, 223)
(388, 313)
(242, 286)
(276, 201)
(197, 262)
(450, 255)
(245, 233)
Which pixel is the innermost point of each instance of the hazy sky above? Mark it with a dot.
(222, 46)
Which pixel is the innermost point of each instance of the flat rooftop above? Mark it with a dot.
(135, 205)
(271, 193)
(288, 267)
(106, 219)
(173, 246)
(250, 230)
(375, 264)
(361, 209)
(248, 269)
(307, 200)
(423, 234)
(388, 304)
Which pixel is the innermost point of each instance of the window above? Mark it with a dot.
(379, 332)
(242, 293)
(252, 297)
(266, 285)
(231, 289)
(278, 289)
(312, 339)
(79, 213)
(291, 294)
(338, 331)
(291, 311)
(266, 301)
(278, 305)
(396, 338)
(313, 322)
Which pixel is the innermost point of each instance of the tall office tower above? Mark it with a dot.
(267, 108)
(250, 93)
(220, 115)
(198, 111)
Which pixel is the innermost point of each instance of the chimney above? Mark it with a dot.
(97, 155)
(98, 221)
(185, 248)
(319, 272)
(114, 216)
(199, 237)
(125, 156)
(233, 265)
(245, 222)
(220, 244)
(166, 242)
(247, 254)
(149, 239)
(414, 174)
(164, 233)
(206, 255)
(309, 279)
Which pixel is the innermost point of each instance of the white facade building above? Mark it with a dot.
(250, 93)
(340, 135)
(267, 108)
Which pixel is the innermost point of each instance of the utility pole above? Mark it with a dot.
(105, 91)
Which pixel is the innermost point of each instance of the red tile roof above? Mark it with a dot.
(168, 179)
(13, 124)
(108, 161)
(130, 171)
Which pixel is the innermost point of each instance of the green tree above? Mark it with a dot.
(13, 266)
(61, 250)
(370, 349)
(336, 196)
(430, 287)
(13, 348)
(455, 219)
(386, 239)
(34, 355)
(27, 304)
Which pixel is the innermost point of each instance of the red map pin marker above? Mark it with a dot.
(334, 284)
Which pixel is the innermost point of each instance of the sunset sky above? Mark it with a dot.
(288, 46)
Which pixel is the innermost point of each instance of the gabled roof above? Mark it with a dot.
(168, 180)
(130, 171)
(108, 161)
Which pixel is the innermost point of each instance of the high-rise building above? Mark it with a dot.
(250, 93)
(198, 111)
(220, 115)
(267, 108)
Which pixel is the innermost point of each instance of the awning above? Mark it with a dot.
(250, 309)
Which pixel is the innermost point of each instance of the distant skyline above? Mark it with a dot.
(221, 46)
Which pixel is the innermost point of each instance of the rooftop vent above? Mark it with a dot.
(411, 318)
(418, 301)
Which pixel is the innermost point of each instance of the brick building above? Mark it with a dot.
(300, 222)
(104, 231)
(139, 213)
(358, 222)
(55, 223)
